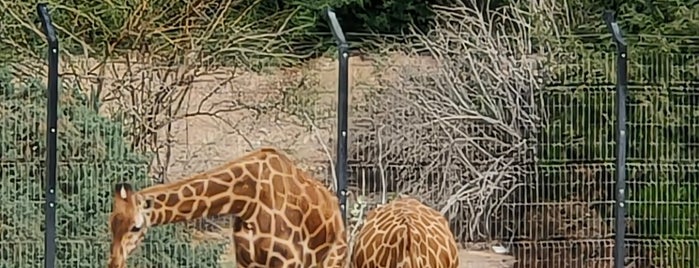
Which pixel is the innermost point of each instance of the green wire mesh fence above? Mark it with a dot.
(92, 157)
(570, 221)
(561, 217)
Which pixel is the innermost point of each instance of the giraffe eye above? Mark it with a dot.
(135, 229)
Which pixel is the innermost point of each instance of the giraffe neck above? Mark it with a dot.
(204, 195)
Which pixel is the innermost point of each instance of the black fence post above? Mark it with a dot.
(342, 95)
(51, 132)
(621, 84)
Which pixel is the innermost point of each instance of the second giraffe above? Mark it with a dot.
(290, 218)
(405, 233)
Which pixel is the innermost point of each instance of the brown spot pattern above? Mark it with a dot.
(284, 218)
(405, 233)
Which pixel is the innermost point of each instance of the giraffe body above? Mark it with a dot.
(285, 218)
(405, 234)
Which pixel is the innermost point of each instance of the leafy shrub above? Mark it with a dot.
(93, 156)
(580, 137)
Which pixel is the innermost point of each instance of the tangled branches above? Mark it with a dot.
(459, 130)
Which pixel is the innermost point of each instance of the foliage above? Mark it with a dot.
(667, 17)
(661, 105)
(232, 30)
(93, 156)
(284, 31)
(385, 17)
(228, 32)
(576, 143)
(580, 134)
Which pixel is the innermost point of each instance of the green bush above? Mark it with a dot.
(93, 156)
(662, 177)
(232, 30)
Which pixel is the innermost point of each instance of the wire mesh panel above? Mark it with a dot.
(663, 179)
(92, 157)
(563, 217)
(569, 210)
(454, 129)
(97, 150)
(22, 169)
(138, 122)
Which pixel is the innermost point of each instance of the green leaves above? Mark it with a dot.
(675, 207)
(93, 156)
(662, 133)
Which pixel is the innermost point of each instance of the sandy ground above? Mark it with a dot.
(484, 259)
(197, 143)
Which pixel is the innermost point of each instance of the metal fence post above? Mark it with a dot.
(51, 132)
(621, 84)
(342, 95)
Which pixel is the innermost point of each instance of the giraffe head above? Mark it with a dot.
(128, 223)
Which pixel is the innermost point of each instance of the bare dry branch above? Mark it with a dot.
(460, 129)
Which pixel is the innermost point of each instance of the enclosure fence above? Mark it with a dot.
(611, 180)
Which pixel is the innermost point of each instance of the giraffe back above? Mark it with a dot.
(405, 234)
(297, 220)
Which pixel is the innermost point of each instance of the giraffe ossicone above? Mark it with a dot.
(285, 218)
(405, 233)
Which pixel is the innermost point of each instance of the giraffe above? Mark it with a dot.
(288, 218)
(405, 233)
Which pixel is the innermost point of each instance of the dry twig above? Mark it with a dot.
(460, 129)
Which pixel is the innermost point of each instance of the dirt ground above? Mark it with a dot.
(200, 142)
(484, 259)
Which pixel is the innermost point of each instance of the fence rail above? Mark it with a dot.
(611, 177)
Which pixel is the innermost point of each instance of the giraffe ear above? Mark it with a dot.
(122, 193)
(123, 189)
